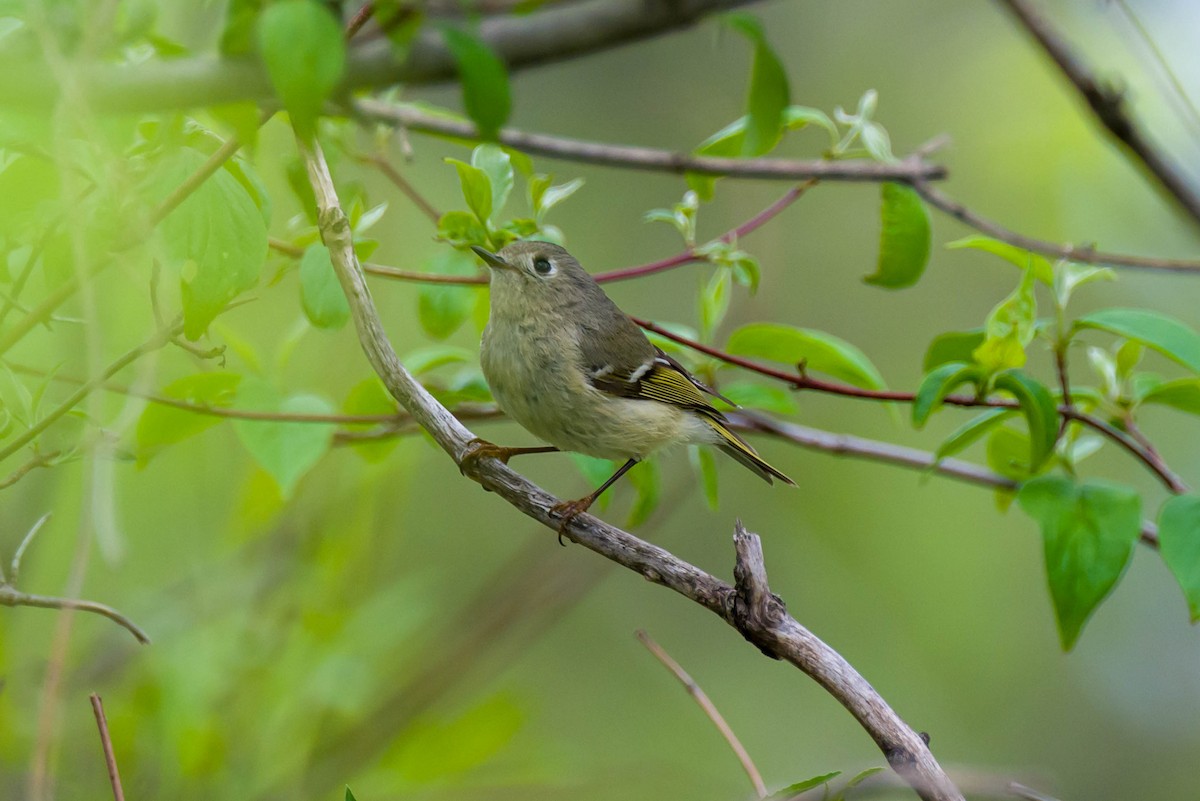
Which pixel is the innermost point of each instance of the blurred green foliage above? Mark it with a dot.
(331, 603)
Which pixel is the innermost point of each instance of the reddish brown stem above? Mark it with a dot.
(1148, 456)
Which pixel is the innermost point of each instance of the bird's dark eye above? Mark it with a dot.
(543, 266)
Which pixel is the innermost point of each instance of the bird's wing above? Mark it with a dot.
(659, 378)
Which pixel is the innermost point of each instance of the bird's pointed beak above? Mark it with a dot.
(491, 259)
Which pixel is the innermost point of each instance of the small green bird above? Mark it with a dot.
(572, 368)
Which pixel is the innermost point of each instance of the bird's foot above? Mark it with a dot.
(568, 511)
(479, 449)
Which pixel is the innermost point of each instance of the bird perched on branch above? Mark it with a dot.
(572, 368)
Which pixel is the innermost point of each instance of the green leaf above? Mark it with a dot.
(462, 228)
(1009, 329)
(953, 346)
(1040, 410)
(497, 165)
(730, 141)
(1182, 394)
(286, 450)
(1179, 542)
(369, 397)
(349, 795)
(550, 196)
(876, 142)
(903, 238)
(1168, 336)
(237, 37)
(706, 465)
(486, 94)
(1088, 532)
(595, 472)
(215, 238)
(970, 431)
(1026, 260)
(476, 189)
(1129, 356)
(305, 52)
(648, 484)
(320, 293)
(818, 351)
(936, 385)
(160, 425)
(437, 750)
(793, 790)
(1007, 452)
(714, 301)
(425, 360)
(856, 780)
(1070, 276)
(768, 94)
(443, 308)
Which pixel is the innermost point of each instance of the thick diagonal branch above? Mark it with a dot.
(781, 635)
(524, 40)
(1108, 107)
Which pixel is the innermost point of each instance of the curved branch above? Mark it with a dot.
(781, 635)
(10, 596)
(907, 170)
(1108, 107)
(552, 34)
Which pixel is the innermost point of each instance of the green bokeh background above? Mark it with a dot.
(393, 627)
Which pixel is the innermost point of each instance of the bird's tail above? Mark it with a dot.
(739, 449)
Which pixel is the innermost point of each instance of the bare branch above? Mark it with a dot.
(110, 760)
(1055, 250)
(888, 453)
(908, 170)
(10, 596)
(907, 752)
(1108, 106)
(402, 183)
(710, 709)
(14, 571)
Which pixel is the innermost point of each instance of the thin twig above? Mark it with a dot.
(158, 340)
(939, 200)
(14, 571)
(1108, 107)
(906, 170)
(35, 461)
(705, 703)
(888, 453)
(45, 310)
(402, 183)
(10, 596)
(110, 760)
(359, 19)
(800, 380)
(619, 274)
(11, 300)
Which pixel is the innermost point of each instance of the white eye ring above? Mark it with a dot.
(543, 266)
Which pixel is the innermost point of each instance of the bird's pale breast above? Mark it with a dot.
(547, 392)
